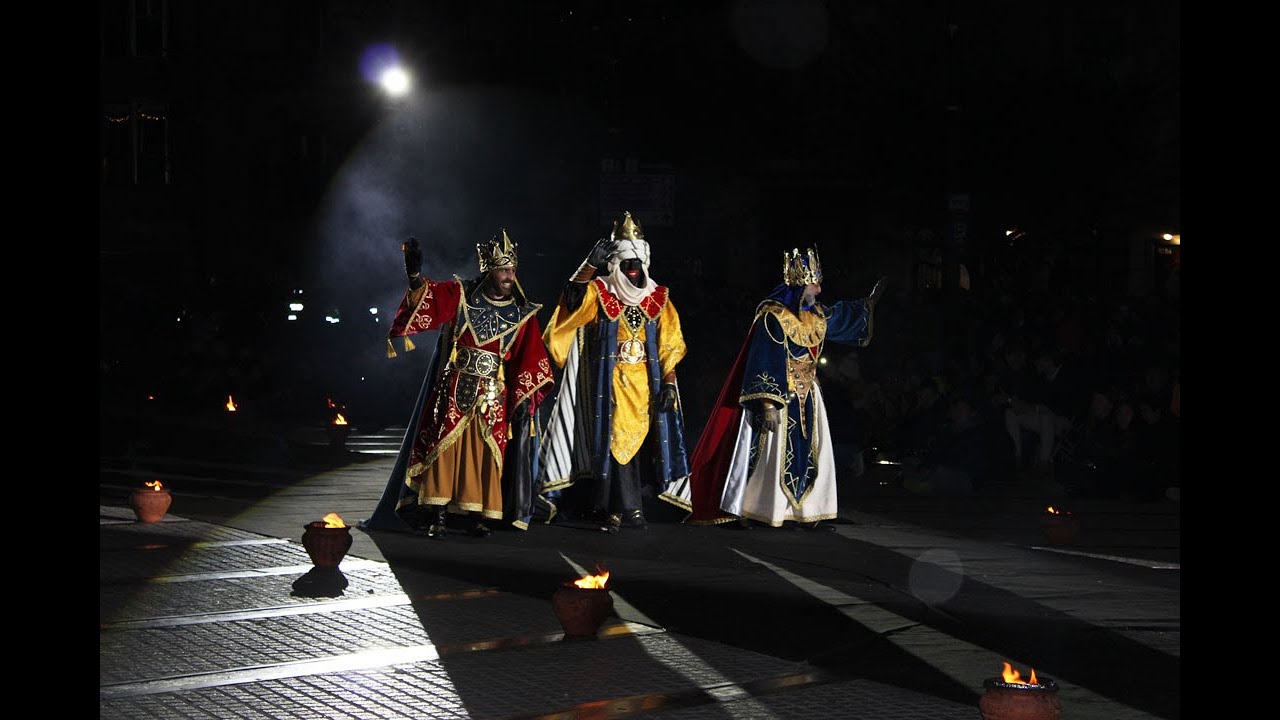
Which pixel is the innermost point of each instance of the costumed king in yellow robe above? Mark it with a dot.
(616, 425)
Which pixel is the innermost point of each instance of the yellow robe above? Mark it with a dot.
(631, 391)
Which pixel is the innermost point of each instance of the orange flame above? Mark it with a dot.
(1052, 511)
(1013, 677)
(231, 404)
(333, 520)
(595, 582)
(155, 485)
(339, 420)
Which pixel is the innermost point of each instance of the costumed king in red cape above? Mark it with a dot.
(472, 441)
(765, 453)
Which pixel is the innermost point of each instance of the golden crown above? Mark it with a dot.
(629, 230)
(801, 269)
(497, 253)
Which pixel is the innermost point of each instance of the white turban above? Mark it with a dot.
(616, 280)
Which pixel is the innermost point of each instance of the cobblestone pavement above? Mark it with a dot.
(902, 612)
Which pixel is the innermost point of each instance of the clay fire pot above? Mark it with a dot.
(337, 434)
(1016, 701)
(1060, 529)
(150, 505)
(581, 611)
(326, 545)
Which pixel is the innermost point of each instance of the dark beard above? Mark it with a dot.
(494, 290)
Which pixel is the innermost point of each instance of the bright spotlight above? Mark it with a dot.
(292, 316)
(296, 307)
(380, 63)
(395, 81)
(373, 311)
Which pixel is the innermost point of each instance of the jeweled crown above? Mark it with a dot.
(801, 268)
(628, 230)
(499, 252)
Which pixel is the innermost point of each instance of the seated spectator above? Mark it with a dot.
(968, 454)
(1103, 457)
(1045, 408)
(924, 421)
(1158, 448)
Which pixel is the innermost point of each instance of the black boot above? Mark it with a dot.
(612, 524)
(635, 519)
(481, 530)
(437, 529)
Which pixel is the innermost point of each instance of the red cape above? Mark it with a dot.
(709, 466)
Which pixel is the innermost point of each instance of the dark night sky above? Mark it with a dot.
(845, 123)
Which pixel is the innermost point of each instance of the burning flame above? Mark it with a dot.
(339, 420)
(155, 485)
(231, 404)
(1013, 677)
(333, 520)
(1052, 511)
(595, 582)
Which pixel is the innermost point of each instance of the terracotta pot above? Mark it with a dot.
(1014, 701)
(326, 545)
(337, 434)
(581, 611)
(1060, 529)
(150, 505)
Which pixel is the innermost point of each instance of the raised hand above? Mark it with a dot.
(600, 252)
(412, 257)
(878, 290)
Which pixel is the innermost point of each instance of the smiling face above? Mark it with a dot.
(634, 270)
(500, 282)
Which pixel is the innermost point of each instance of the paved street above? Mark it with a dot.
(901, 612)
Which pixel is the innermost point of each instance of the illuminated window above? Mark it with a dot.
(135, 144)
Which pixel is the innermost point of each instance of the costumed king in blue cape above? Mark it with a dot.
(765, 453)
(616, 425)
(472, 441)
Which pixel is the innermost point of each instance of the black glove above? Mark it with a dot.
(599, 255)
(596, 259)
(412, 257)
(765, 420)
(667, 397)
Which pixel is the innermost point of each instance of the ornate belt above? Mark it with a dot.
(477, 372)
(800, 375)
(631, 351)
(474, 361)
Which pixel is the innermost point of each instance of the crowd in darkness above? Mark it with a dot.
(950, 399)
